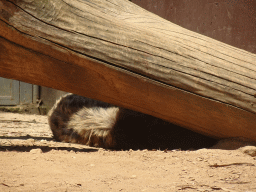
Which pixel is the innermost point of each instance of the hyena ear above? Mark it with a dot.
(57, 106)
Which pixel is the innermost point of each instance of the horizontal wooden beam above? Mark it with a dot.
(116, 52)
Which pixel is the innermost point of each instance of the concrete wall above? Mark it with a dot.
(49, 96)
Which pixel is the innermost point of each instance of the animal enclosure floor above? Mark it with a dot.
(31, 161)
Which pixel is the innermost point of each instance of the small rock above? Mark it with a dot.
(31, 140)
(36, 151)
(101, 150)
(43, 141)
(249, 150)
(133, 176)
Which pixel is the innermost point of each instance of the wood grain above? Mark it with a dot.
(116, 52)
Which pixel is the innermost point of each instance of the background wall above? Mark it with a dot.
(230, 21)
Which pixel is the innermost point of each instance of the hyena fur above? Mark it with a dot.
(77, 119)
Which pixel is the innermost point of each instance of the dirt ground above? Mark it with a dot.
(31, 161)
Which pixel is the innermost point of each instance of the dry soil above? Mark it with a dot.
(30, 160)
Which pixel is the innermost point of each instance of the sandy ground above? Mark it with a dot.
(31, 161)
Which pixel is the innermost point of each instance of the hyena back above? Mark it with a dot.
(78, 119)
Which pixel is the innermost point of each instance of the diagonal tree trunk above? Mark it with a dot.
(115, 51)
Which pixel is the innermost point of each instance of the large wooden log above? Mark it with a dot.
(114, 51)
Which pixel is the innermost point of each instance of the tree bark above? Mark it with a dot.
(115, 51)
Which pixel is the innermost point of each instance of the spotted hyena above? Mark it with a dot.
(78, 119)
